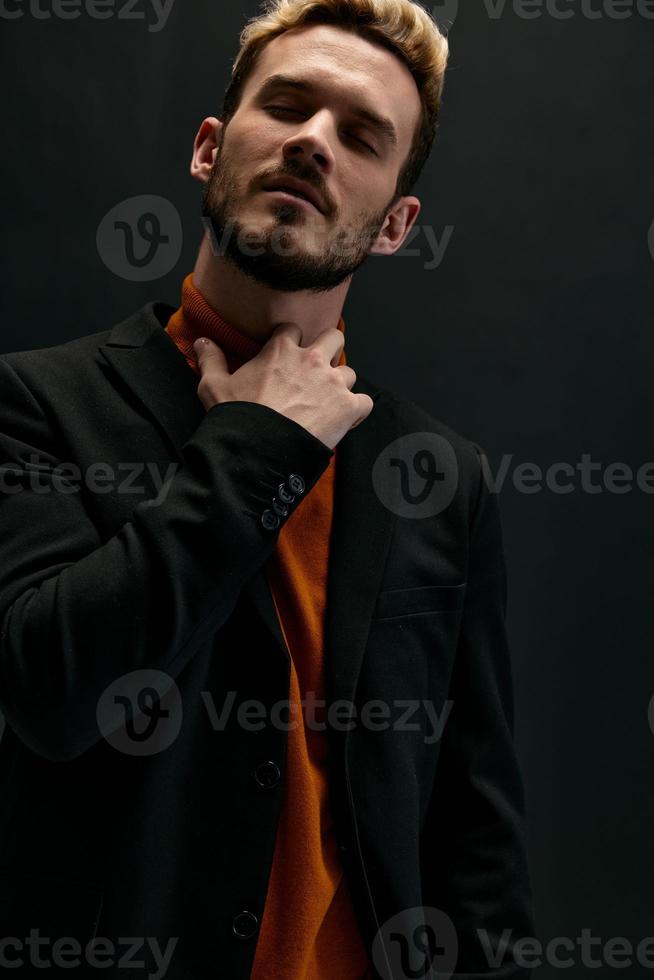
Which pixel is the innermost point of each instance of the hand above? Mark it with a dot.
(302, 383)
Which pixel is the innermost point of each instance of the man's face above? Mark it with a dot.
(314, 134)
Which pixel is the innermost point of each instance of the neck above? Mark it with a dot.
(255, 310)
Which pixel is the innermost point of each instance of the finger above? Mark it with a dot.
(331, 342)
(288, 327)
(209, 356)
(348, 373)
(367, 406)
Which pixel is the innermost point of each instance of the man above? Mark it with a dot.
(260, 721)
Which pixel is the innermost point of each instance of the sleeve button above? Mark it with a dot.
(270, 521)
(280, 509)
(285, 494)
(296, 483)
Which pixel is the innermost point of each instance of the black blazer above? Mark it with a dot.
(131, 805)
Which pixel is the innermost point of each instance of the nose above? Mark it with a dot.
(311, 141)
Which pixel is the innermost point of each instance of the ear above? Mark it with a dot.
(205, 148)
(397, 226)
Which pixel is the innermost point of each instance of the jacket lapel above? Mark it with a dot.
(156, 372)
(359, 544)
(149, 363)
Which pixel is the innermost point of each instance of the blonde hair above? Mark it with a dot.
(402, 26)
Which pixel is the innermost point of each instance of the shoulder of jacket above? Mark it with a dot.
(133, 330)
(69, 351)
(415, 418)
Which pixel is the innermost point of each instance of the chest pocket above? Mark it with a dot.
(393, 603)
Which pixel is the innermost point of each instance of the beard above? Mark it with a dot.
(275, 256)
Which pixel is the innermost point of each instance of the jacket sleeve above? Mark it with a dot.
(78, 612)
(474, 864)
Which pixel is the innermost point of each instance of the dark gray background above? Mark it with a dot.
(533, 337)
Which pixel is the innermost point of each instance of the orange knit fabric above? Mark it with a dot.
(309, 929)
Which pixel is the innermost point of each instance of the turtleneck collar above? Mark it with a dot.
(195, 318)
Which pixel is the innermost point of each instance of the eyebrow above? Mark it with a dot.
(382, 124)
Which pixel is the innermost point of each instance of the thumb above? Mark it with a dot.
(290, 327)
(209, 355)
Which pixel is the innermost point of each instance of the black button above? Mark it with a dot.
(285, 494)
(267, 774)
(342, 848)
(280, 509)
(270, 521)
(245, 924)
(296, 483)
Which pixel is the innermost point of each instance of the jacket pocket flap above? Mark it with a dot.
(427, 598)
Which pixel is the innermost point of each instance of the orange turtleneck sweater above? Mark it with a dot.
(309, 929)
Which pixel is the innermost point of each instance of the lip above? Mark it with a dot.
(295, 185)
(296, 200)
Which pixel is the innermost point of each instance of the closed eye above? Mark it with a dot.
(279, 108)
